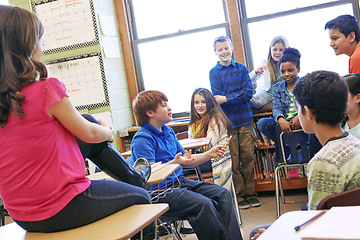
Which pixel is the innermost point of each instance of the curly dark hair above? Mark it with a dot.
(290, 55)
(20, 32)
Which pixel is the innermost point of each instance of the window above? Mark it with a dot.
(302, 23)
(173, 45)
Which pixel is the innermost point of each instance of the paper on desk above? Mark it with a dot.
(337, 223)
(189, 140)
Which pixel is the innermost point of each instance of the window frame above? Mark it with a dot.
(135, 42)
(244, 21)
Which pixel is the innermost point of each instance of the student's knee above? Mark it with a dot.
(261, 124)
(89, 117)
(255, 103)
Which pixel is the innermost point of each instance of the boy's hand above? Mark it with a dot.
(285, 126)
(220, 99)
(261, 231)
(185, 159)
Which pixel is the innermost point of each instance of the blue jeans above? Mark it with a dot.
(271, 130)
(101, 199)
(208, 208)
(260, 99)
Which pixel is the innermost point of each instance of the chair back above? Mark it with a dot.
(348, 198)
(298, 145)
(182, 135)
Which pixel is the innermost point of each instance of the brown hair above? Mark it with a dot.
(20, 32)
(213, 110)
(147, 101)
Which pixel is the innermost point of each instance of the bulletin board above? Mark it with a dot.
(70, 27)
(69, 24)
(81, 75)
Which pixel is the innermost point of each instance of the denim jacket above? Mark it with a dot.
(281, 101)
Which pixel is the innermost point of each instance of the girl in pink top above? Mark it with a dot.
(42, 170)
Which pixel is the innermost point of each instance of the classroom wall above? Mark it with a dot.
(119, 112)
(115, 73)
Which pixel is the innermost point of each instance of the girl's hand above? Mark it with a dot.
(220, 99)
(295, 123)
(217, 151)
(102, 123)
(285, 126)
(260, 70)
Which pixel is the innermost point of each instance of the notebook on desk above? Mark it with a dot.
(337, 223)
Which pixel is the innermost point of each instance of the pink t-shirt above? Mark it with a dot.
(41, 166)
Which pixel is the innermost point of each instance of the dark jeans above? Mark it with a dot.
(208, 208)
(100, 200)
(272, 130)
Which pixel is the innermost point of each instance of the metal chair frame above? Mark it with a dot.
(305, 156)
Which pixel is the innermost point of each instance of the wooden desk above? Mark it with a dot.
(155, 177)
(121, 225)
(191, 143)
(283, 227)
(187, 144)
(162, 174)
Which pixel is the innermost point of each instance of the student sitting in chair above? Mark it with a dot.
(207, 206)
(321, 98)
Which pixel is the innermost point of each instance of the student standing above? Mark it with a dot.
(268, 73)
(208, 120)
(344, 34)
(42, 170)
(285, 117)
(231, 86)
(207, 206)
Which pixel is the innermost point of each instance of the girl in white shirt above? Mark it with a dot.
(267, 74)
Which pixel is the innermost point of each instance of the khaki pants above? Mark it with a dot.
(243, 157)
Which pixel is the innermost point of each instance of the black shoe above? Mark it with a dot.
(185, 230)
(243, 204)
(112, 163)
(254, 202)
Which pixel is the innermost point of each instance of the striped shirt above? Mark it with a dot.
(233, 81)
(292, 109)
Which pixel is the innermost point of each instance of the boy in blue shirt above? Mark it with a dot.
(207, 207)
(231, 85)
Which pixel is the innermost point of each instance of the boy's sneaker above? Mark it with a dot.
(254, 202)
(243, 204)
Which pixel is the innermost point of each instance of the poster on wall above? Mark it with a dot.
(69, 24)
(84, 79)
